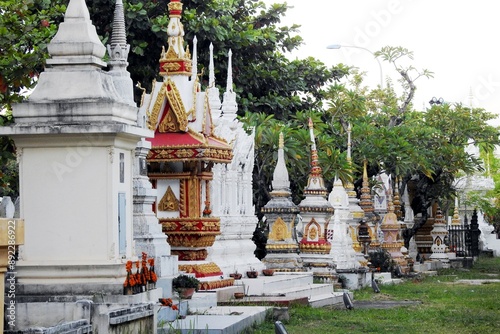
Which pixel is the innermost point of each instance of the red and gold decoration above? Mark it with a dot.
(216, 284)
(315, 206)
(176, 60)
(183, 151)
(314, 241)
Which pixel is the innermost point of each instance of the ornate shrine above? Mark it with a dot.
(392, 234)
(316, 212)
(184, 150)
(281, 215)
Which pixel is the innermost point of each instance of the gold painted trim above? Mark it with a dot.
(154, 114)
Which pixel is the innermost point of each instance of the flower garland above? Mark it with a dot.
(143, 279)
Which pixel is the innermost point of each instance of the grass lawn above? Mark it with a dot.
(446, 306)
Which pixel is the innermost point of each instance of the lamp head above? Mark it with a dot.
(334, 46)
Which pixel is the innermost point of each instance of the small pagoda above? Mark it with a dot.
(439, 235)
(281, 216)
(392, 234)
(184, 150)
(366, 203)
(316, 212)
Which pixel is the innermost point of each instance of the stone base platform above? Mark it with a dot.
(218, 320)
(386, 279)
(280, 289)
(217, 311)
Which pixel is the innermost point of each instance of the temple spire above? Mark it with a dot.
(194, 72)
(366, 202)
(280, 176)
(397, 199)
(118, 50)
(177, 59)
(118, 36)
(229, 83)
(229, 105)
(316, 212)
(211, 67)
(315, 183)
(456, 217)
(212, 90)
(76, 41)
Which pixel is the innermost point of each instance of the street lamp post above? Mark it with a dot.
(338, 46)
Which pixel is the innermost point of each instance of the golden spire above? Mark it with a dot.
(366, 202)
(315, 183)
(456, 217)
(177, 59)
(397, 199)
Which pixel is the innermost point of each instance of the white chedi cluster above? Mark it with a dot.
(231, 186)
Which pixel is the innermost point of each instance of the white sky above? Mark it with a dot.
(457, 40)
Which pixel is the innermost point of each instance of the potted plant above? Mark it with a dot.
(235, 275)
(185, 285)
(239, 295)
(268, 272)
(252, 273)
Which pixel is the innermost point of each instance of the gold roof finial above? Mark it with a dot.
(176, 60)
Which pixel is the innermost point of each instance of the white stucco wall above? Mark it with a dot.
(69, 199)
